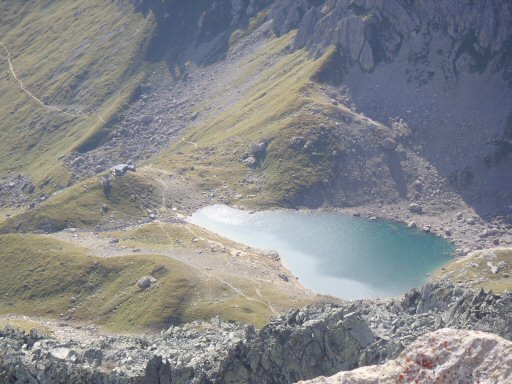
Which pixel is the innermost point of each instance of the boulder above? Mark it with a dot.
(358, 329)
(250, 161)
(297, 142)
(388, 144)
(63, 354)
(282, 276)
(144, 282)
(257, 149)
(146, 120)
(416, 208)
(418, 185)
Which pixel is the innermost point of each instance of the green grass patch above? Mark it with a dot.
(158, 237)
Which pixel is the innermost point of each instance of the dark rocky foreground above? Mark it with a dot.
(306, 343)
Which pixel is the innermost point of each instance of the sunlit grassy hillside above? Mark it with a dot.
(44, 277)
(279, 105)
(79, 56)
(490, 270)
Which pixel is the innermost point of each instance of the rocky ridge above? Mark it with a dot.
(444, 356)
(306, 343)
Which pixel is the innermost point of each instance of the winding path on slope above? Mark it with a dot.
(8, 57)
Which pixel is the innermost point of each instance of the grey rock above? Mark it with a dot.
(418, 185)
(146, 120)
(358, 329)
(389, 144)
(144, 282)
(250, 161)
(416, 208)
(282, 276)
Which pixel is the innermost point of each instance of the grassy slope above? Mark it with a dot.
(178, 237)
(158, 237)
(80, 206)
(82, 56)
(45, 277)
(274, 107)
(474, 270)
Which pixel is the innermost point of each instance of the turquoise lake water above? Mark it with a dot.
(333, 253)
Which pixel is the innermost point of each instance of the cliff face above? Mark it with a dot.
(367, 31)
(371, 31)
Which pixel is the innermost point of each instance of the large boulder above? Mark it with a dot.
(145, 282)
(444, 356)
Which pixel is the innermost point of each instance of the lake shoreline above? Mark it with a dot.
(462, 227)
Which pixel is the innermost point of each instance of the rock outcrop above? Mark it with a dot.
(444, 356)
(304, 344)
(178, 355)
(183, 25)
(372, 31)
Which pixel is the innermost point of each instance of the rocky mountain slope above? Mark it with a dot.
(412, 105)
(441, 67)
(395, 109)
(66, 69)
(316, 340)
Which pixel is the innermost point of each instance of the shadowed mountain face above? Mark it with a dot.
(185, 26)
(443, 67)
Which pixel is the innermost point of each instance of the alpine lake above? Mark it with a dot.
(333, 253)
